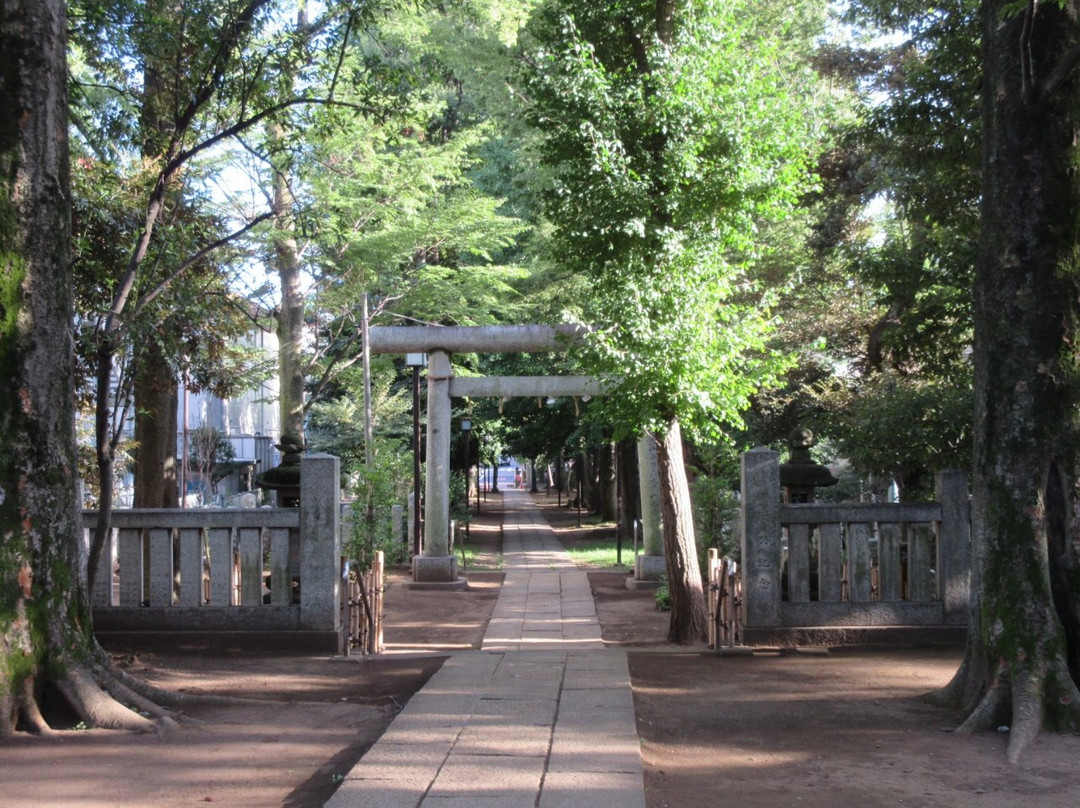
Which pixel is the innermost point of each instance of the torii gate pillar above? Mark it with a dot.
(650, 565)
(437, 564)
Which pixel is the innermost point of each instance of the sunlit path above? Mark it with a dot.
(543, 716)
(545, 602)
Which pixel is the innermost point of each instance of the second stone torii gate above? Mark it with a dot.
(437, 565)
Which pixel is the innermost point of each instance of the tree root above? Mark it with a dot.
(1025, 701)
(990, 713)
(127, 695)
(964, 691)
(30, 712)
(94, 705)
(179, 701)
(1027, 713)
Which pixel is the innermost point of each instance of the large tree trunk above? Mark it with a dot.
(627, 471)
(607, 506)
(156, 398)
(44, 619)
(1026, 596)
(155, 385)
(689, 615)
(290, 315)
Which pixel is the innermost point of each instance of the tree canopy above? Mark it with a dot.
(861, 216)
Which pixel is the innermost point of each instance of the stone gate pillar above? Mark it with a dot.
(649, 565)
(436, 565)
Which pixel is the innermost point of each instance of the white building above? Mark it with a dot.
(251, 421)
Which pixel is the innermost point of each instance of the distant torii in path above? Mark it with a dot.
(437, 564)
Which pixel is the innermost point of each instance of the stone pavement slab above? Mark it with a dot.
(541, 717)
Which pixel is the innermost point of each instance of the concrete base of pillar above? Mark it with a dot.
(648, 571)
(735, 650)
(436, 572)
(457, 585)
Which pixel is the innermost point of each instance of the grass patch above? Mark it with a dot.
(598, 554)
(481, 558)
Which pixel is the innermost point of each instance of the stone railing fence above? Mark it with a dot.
(272, 576)
(831, 574)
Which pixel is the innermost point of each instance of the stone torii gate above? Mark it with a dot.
(437, 565)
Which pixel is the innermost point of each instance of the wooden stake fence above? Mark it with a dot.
(725, 602)
(364, 606)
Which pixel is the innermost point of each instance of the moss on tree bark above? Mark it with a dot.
(1023, 627)
(45, 631)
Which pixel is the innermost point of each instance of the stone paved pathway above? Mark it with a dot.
(541, 717)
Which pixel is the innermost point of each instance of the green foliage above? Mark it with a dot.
(336, 425)
(716, 517)
(665, 152)
(906, 428)
(529, 428)
(663, 596)
(400, 220)
(459, 503)
(882, 317)
(377, 488)
(10, 306)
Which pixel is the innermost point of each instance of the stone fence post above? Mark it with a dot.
(320, 543)
(762, 555)
(954, 544)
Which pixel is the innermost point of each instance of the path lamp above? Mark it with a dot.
(580, 470)
(559, 469)
(416, 361)
(466, 426)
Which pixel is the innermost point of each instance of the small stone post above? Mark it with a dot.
(395, 522)
(411, 521)
(954, 544)
(320, 551)
(762, 555)
(650, 565)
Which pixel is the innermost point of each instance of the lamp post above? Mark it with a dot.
(416, 361)
(466, 426)
(477, 475)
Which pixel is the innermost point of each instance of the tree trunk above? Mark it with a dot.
(1020, 668)
(156, 398)
(290, 316)
(689, 615)
(44, 620)
(607, 507)
(155, 386)
(629, 509)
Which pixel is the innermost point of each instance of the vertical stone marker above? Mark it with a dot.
(320, 553)
(954, 544)
(761, 551)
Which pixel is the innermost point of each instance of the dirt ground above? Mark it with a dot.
(773, 729)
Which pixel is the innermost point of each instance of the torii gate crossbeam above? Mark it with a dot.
(437, 565)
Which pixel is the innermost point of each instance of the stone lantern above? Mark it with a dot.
(801, 475)
(284, 478)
